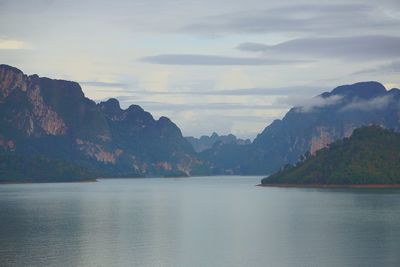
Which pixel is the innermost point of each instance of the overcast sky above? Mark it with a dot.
(225, 66)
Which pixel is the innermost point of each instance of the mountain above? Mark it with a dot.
(370, 156)
(310, 127)
(206, 142)
(42, 117)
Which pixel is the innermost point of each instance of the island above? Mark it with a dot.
(370, 157)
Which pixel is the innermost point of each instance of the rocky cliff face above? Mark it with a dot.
(326, 118)
(53, 118)
(24, 106)
(11, 79)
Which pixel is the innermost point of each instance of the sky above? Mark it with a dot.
(210, 66)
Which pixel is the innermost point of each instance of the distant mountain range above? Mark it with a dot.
(206, 142)
(46, 118)
(51, 122)
(310, 127)
(371, 156)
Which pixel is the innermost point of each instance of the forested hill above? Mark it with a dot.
(42, 118)
(311, 126)
(370, 156)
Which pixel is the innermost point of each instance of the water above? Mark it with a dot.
(214, 221)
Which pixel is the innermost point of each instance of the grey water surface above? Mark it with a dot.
(200, 221)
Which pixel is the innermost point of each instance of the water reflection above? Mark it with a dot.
(196, 222)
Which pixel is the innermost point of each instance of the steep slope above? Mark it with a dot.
(206, 142)
(53, 119)
(370, 156)
(324, 119)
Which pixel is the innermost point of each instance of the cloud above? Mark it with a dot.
(13, 44)
(368, 105)
(355, 47)
(392, 67)
(213, 60)
(291, 90)
(253, 47)
(102, 84)
(162, 106)
(305, 91)
(306, 18)
(306, 106)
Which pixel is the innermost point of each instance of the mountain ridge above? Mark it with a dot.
(205, 142)
(53, 119)
(325, 118)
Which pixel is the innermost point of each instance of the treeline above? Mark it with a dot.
(370, 156)
(24, 169)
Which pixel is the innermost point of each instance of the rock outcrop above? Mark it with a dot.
(308, 128)
(53, 118)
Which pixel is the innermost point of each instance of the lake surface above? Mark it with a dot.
(213, 221)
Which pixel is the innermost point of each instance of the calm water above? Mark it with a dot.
(219, 221)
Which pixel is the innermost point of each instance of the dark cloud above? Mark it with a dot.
(298, 18)
(213, 60)
(356, 47)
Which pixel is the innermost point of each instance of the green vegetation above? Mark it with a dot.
(20, 169)
(285, 140)
(370, 156)
(103, 138)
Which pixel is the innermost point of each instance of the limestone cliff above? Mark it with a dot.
(53, 118)
(308, 128)
(34, 118)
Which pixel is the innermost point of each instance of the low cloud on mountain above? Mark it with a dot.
(318, 102)
(368, 105)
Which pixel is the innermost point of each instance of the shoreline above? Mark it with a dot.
(338, 186)
(49, 182)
